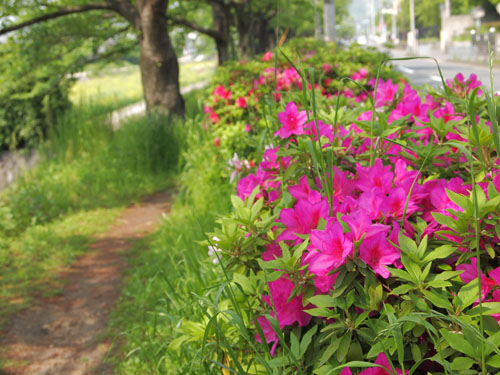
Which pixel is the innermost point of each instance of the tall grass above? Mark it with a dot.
(171, 273)
(86, 175)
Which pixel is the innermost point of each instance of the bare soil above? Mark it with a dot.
(63, 335)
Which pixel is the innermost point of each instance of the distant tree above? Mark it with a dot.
(146, 18)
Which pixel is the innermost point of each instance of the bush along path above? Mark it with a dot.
(61, 334)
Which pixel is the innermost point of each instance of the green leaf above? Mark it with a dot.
(402, 289)
(487, 308)
(458, 342)
(294, 345)
(345, 343)
(462, 363)
(494, 361)
(407, 245)
(322, 300)
(306, 340)
(329, 351)
(415, 352)
(460, 200)
(440, 252)
(236, 201)
(244, 282)
(444, 220)
(437, 299)
(468, 294)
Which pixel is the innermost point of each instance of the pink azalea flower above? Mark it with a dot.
(329, 249)
(327, 68)
(324, 284)
(287, 312)
(267, 56)
(342, 186)
(495, 275)
(217, 142)
(385, 93)
(470, 273)
(346, 371)
(394, 204)
(214, 117)
(246, 185)
(271, 161)
(378, 253)
(447, 113)
(248, 128)
(268, 332)
(360, 223)
(410, 104)
(222, 92)
(325, 130)
(372, 202)
(383, 361)
(376, 176)
(292, 120)
(273, 251)
(358, 76)
(304, 192)
(302, 219)
(241, 102)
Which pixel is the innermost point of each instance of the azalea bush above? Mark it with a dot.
(365, 241)
(243, 92)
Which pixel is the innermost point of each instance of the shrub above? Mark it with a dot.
(358, 239)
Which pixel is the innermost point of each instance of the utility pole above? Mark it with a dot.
(329, 19)
(317, 21)
(447, 8)
(412, 37)
(394, 33)
(372, 20)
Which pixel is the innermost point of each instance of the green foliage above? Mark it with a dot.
(86, 175)
(35, 63)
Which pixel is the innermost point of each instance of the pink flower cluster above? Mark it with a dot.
(372, 205)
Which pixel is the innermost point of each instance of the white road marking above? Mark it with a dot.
(406, 70)
(436, 78)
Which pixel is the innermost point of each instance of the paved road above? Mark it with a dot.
(421, 72)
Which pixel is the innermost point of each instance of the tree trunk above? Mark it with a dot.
(264, 34)
(244, 23)
(222, 22)
(159, 66)
(254, 32)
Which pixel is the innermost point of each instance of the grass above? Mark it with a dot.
(121, 85)
(171, 272)
(86, 175)
(29, 262)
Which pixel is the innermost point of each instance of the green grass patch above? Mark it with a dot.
(30, 262)
(86, 175)
(171, 272)
(119, 86)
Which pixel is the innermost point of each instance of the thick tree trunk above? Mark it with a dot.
(244, 26)
(159, 66)
(254, 32)
(264, 35)
(222, 22)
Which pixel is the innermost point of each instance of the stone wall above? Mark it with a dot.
(13, 164)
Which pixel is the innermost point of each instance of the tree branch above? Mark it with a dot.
(184, 22)
(59, 13)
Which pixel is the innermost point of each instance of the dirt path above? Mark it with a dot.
(61, 335)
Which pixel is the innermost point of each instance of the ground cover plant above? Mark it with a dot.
(358, 251)
(85, 177)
